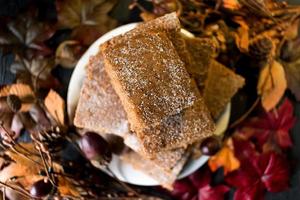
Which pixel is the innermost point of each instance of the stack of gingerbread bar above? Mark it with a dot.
(140, 87)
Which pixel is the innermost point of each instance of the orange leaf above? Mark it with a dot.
(242, 35)
(231, 4)
(292, 31)
(66, 188)
(27, 170)
(271, 85)
(224, 158)
(23, 91)
(55, 106)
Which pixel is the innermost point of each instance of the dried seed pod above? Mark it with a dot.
(261, 48)
(14, 102)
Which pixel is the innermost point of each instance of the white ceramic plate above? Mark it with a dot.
(122, 170)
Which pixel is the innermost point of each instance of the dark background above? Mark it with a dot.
(11, 8)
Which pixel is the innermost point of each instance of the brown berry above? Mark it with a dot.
(14, 102)
(41, 189)
(95, 148)
(210, 146)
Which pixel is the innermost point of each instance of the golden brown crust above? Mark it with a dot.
(201, 51)
(165, 176)
(220, 86)
(191, 125)
(149, 77)
(99, 108)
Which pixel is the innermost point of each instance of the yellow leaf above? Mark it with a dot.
(271, 85)
(55, 106)
(224, 158)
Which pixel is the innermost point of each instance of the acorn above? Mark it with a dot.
(14, 102)
(210, 146)
(41, 188)
(95, 148)
(261, 48)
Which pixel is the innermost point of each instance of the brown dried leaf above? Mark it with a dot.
(55, 106)
(292, 72)
(25, 35)
(23, 167)
(68, 53)
(66, 188)
(89, 19)
(271, 85)
(242, 35)
(23, 91)
(35, 72)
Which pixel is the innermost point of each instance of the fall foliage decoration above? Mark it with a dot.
(42, 156)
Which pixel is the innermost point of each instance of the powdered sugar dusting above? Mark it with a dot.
(153, 79)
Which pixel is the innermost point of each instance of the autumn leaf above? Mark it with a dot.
(66, 188)
(35, 72)
(213, 193)
(231, 4)
(292, 31)
(68, 53)
(55, 106)
(198, 186)
(271, 126)
(271, 85)
(224, 158)
(89, 19)
(27, 169)
(26, 36)
(242, 35)
(23, 91)
(268, 171)
(292, 72)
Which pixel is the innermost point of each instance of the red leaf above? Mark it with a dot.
(269, 171)
(183, 190)
(212, 193)
(253, 192)
(243, 178)
(244, 150)
(273, 124)
(201, 178)
(276, 174)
